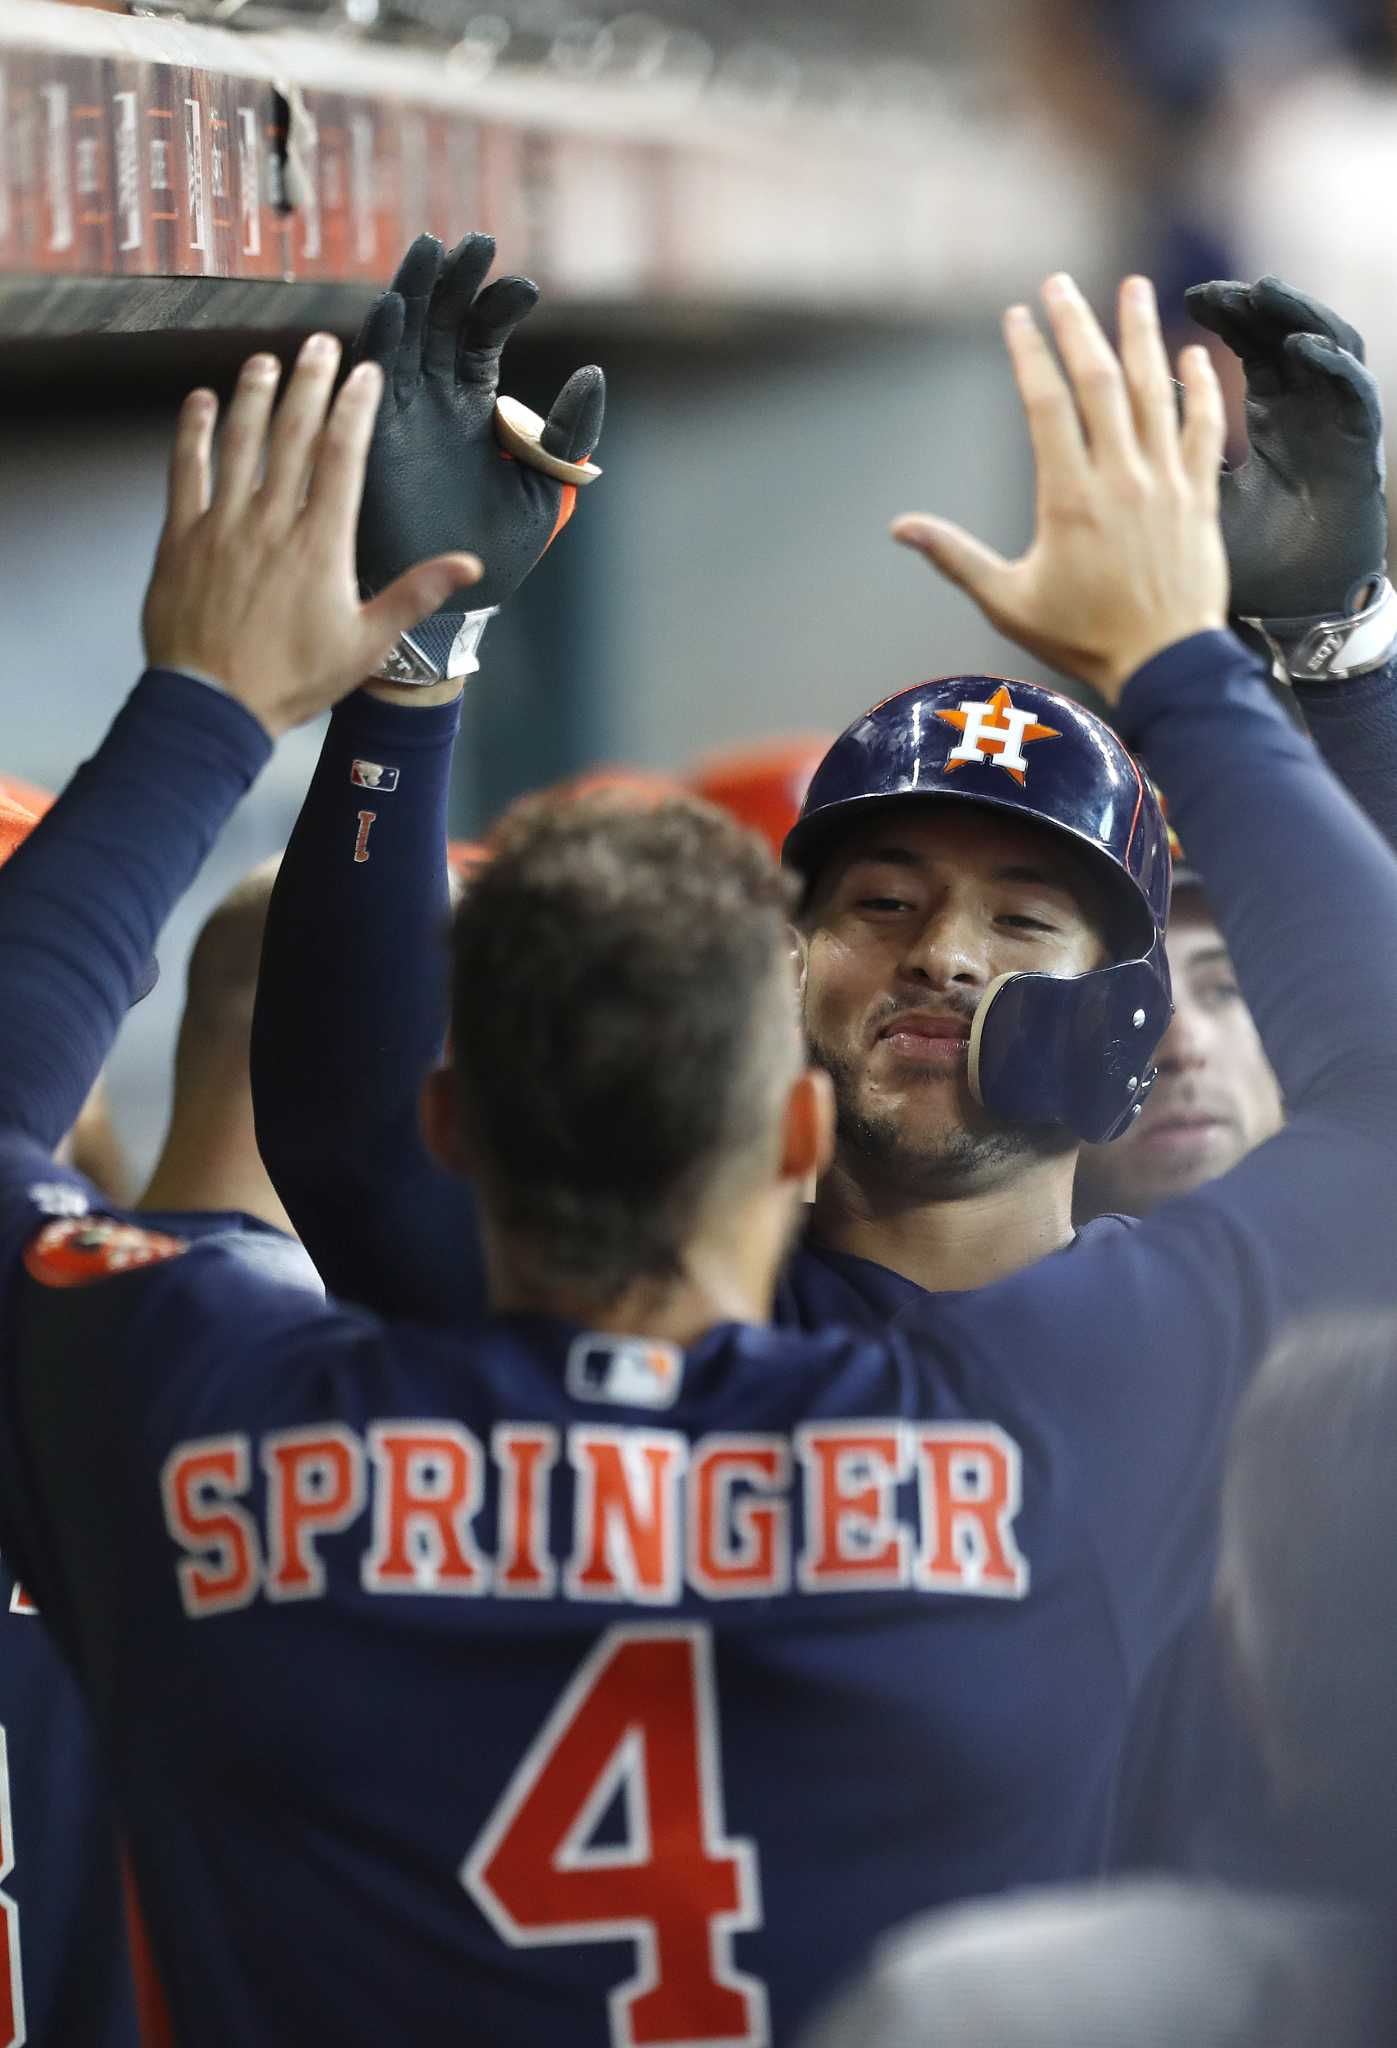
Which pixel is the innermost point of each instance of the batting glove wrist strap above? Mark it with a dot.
(439, 649)
(1335, 649)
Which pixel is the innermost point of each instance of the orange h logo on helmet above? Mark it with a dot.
(997, 732)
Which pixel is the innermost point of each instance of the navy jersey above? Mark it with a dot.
(66, 1974)
(387, 1225)
(553, 1686)
(576, 1689)
(546, 1683)
(65, 1971)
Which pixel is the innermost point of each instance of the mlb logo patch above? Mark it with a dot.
(630, 1372)
(373, 775)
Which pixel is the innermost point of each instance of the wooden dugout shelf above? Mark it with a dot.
(141, 158)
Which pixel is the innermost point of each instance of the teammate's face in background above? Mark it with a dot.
(1216, 1096)
(914, 915)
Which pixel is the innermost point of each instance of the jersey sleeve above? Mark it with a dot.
(1303, 886)
(1354, 725)
(116, 1338)
(352, 1012)
(81, 904)
(1136, 1342)
(85, 895)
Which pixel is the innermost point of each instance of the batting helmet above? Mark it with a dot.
(1071, 1050)
(762, 785)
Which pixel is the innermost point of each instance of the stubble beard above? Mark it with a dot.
(953, 1161)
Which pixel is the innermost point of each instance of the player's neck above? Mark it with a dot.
(210, 1161)
(727, 1275)
(961, 1242)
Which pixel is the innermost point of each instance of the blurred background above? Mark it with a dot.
(786, 233)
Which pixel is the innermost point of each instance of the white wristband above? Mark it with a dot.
(423, 656)
(1334, 650)
(462, 660)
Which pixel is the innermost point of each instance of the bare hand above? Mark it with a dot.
(254, 583)
(1128, 555)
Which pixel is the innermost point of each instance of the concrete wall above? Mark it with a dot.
(752, 585)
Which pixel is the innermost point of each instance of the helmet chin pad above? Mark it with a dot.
(1072, 1050)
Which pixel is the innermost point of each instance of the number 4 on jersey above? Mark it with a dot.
(640, 1718)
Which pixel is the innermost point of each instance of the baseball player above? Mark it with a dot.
(957, 1544)
(1141, 1328)
(65, 1973)
(1306, 527)
(209, 1161)
(1305, 520)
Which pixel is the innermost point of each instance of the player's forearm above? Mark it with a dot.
(352, 1011)
(1303, 887)
(82, 900)
(1355, 728)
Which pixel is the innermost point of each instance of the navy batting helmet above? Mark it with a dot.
(1073, 1050)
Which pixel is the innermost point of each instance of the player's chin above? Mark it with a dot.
(1139, 1194)
(929, 1109)
(1159, 1160)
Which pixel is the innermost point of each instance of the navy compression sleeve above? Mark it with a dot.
(82, 899)
(1355, 728)
(1311, 921)
(352, 1012)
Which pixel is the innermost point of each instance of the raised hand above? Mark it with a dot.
(1305, 516)
(437, 476)
(254, 583)
(1127, 557)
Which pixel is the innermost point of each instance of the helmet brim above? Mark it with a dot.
(813, 838)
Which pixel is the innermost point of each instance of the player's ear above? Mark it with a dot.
(440, 1116)
(807, 1144)
(800, 959)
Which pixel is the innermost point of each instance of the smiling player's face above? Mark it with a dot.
(1216, 1097)
(913, 916)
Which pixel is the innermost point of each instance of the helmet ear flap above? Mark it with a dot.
(1048, 1049)
(977, 1032)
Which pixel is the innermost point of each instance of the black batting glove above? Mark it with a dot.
(436, 467)
(1305, 516)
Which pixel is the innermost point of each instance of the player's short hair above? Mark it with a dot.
(625, 1026)
(1310, 1570)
